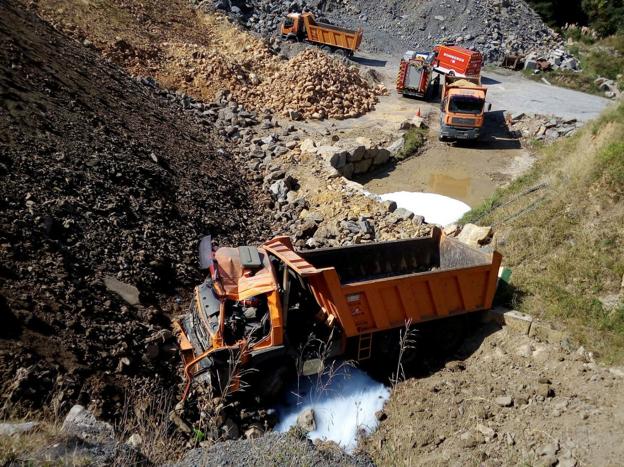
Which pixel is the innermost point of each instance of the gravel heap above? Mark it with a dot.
(203, 71)
(495, 27)
(273, 449)
(105, 189)
(314, 85)
(265, 16)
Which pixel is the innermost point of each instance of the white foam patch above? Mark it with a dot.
(436, 209)
(343, 403)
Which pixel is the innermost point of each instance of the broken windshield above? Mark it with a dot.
(466, 105)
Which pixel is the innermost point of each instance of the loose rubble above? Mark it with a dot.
(314, 85)
(609, 87)
(555, 59)
(273, 449)
(208, 56)
(103, 207)
(541, 127)
(495, 27)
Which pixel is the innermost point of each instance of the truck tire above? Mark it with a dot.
(341, 52)
(326, 49)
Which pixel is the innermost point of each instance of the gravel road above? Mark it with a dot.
(513, 93)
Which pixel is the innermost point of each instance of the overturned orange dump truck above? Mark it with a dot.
(272, 308)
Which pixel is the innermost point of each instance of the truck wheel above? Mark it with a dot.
(326, 49)
(340, 52)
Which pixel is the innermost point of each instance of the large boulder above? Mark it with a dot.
(83, 424)
(335, 156)
(475, 235)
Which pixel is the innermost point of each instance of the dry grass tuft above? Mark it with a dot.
(565, 240)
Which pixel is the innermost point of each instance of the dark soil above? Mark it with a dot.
(99, 177)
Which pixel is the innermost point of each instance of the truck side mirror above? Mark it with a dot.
(489, 107)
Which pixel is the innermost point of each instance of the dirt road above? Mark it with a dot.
(511, 92)
(469, 173)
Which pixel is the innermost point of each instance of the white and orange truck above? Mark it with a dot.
(419, 72)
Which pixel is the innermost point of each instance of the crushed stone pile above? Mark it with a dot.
(263, 16)
(494, 27)
(274, 449)
(105, 190)
(204, 71)
(314, 85)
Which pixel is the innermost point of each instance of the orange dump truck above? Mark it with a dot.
(302, 27)
(273, 308)
(462, 108)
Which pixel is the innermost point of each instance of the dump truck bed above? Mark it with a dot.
(380, 286)
(334, 36)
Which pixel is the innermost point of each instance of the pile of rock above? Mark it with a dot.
(352, 217)
(203, 71)
(541, 127)
(98, 248)
(494, 27)
(609, 86)
(314, 85)
(264, 16)
(555, 59)
(353, 157)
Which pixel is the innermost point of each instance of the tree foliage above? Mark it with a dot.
(605, 16)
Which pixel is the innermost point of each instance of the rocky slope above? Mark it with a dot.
(105, 190)
(201, 53)
(495, 27)
(506, 398)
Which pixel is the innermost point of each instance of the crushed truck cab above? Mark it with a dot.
(272, 307)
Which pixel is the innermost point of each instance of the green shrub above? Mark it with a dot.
(413, 140)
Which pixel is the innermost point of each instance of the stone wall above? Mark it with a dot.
(350, 158)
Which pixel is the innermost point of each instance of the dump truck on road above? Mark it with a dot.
(302, 27)
(463, 108)
(272, 308)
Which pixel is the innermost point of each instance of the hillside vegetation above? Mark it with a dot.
(606, 16)
(560, 230)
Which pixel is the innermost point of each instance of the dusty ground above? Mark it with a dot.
(136, 210)
(564, 408)
(468, 172)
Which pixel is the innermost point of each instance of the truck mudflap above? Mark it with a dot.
(459, 133)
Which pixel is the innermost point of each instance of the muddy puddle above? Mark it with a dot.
(468, 174)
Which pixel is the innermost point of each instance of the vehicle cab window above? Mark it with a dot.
(247, 319)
